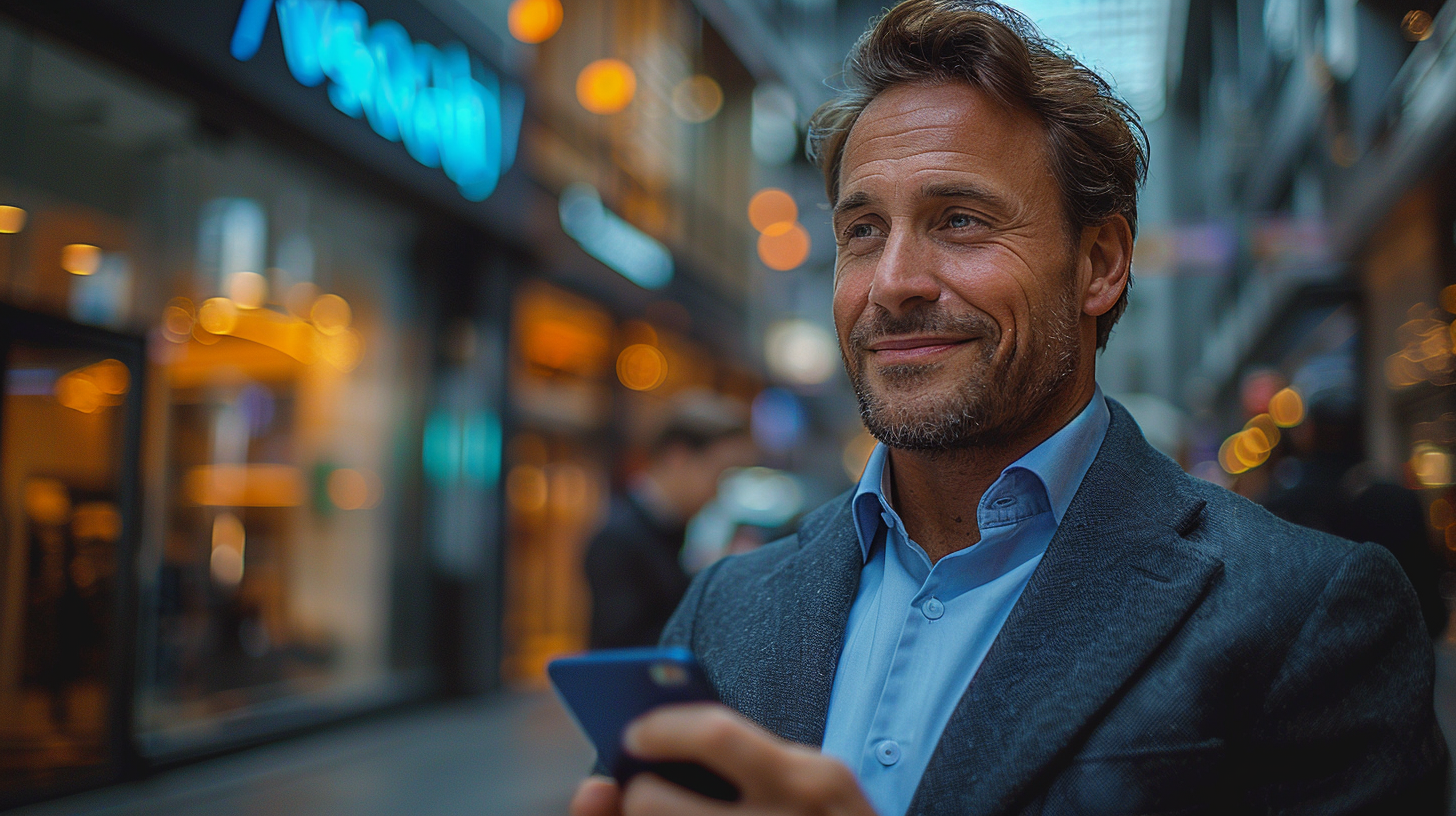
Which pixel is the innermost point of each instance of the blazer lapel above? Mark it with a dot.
(789, 672)
(1116, 581)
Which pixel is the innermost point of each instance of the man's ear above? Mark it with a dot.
(1106, 261)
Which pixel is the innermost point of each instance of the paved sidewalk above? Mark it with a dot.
(508, 754)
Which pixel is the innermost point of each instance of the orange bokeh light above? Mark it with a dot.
(783, 247)
(606, 86)
(641, 367)
(1287, 408)
(534, 21)
(771, 206)
(80, 259)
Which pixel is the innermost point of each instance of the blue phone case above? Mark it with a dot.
(605, 690)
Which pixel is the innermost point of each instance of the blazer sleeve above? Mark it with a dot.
(1348, 724)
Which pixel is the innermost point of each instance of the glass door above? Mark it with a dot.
(69, 424)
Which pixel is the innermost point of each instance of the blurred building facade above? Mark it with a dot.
(326, 328)
(1301, 237)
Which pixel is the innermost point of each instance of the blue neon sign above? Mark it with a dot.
(448, 110)
(605, 236)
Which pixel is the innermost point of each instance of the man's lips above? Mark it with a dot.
(914, 348)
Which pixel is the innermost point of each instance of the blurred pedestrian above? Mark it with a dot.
(633, 563)
(1023, 607)
(1327, 485)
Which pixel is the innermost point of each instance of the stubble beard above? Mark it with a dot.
(1000, 398)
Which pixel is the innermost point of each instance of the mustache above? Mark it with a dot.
(921, 321)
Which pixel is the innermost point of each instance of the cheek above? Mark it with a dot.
(849, 303)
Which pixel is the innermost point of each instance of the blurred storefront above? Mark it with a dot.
(311, 400)
(1311, 142)
(219, 353)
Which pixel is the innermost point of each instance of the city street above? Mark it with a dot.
(507, 754)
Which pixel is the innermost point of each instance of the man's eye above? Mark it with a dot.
(961, 221)
(861, 231)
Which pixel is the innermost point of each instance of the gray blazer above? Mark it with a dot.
(1178, 650)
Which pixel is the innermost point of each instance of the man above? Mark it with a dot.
(632, 564)
(1023, 608)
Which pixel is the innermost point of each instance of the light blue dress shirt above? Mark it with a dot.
(917, 632)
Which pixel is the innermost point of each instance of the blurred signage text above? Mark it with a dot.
(632, 253)
(449, 110)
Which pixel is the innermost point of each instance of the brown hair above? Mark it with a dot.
(1096, 145)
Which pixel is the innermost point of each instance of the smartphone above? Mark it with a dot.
(607, 689)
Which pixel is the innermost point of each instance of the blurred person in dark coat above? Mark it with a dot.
(1023, 607)
(633, 563)
(1328, 486)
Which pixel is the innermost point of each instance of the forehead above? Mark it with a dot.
(946, 128)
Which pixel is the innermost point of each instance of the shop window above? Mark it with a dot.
(283, 372)
(66, 458)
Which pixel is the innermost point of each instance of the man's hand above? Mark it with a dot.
(773, 775)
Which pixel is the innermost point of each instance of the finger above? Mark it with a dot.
(712, 735)
(650, 795)
(597, 796)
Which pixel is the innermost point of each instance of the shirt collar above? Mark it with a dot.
(1059, 462)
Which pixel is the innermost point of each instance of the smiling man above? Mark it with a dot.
(1023, 608)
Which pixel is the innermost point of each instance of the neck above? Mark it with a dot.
(936, 493)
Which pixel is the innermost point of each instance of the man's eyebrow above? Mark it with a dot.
(850, 202)
(974, 192)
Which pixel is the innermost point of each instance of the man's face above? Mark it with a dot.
(956, 294)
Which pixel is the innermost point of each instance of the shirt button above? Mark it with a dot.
(933, 608)
(888, 752)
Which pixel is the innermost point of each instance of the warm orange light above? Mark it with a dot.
(526, 488)
(178, 319)
(1226, 458)
(1442, 514)
(46, 500)
(97, 520)
(79, 393)
(1431, 465)
(771, 206)
(254, 485)
(1286, 407)
(534, 21)
(218, 316)
(1265, 424)
(330, 314)
(12, 219)
(80, 259)
(564, 345)
(1247, 448)
(1416, 25)
(783, 248)
(351, 489)
(248, 290)
(641, 367)
(697, 98)
(606, 86)
(342, 351)
(111, 376)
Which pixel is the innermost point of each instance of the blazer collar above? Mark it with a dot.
(1117, 579)
(1116, 582)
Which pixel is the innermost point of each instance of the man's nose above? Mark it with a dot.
(904, 277)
